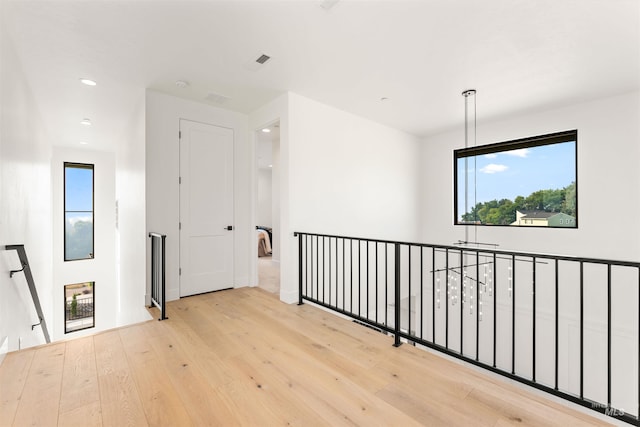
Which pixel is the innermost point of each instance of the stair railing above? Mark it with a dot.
(26, 269)
(158, 276)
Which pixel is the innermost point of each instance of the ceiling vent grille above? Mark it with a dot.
(263, 58)
(217, 98)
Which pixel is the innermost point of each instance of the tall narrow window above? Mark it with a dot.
(78, 211)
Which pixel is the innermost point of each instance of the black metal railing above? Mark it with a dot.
(26, 269)
(81, 309)
(158, 296)
(566, 325)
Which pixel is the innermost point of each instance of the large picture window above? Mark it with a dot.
(78, 211)
(530, 182)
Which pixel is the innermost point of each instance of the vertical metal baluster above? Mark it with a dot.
(433, 295)
(367, 269)
(318, 268)
(556, 325)
(153, 270)
(478, 305)
(533, 337)
(513, 314)
(329, 270)
(359, 276)
(409, 299)
(351, 270)
(344, 275)
(421, 293)
(462, 301)
(495, 312)
(446, 305)
(337, 298)
(386, 284)
(581, 330)
(376, 282)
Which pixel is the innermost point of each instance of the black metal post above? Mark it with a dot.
(397, 342)
(299, 268)
(609, 336)
(163, 310)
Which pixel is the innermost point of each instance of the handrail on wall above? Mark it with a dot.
(26, 269)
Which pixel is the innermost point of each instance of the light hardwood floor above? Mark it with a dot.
(241, 357)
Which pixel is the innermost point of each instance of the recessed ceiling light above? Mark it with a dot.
(84, 143)
(182, 84)
(266, 130)
(88, 82)
(86, 122)
(270, 166)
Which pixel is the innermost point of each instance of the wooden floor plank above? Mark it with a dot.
(120, 402)
(160, 401)
(79, 378)
(13, 376)
(243, 358)
(41, 396)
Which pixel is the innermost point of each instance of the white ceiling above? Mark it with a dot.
(520, 55)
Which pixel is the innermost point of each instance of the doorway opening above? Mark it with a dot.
(268, 207)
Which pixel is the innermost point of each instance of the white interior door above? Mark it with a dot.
(206, 208)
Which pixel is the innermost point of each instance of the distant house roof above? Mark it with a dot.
(537, 214)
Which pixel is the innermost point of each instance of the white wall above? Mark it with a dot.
(25, 204)
(608, 179)
(130, 221)
(163, 113)
(275, 198)
(351, 176)
(339, 174)
(263, 213)
(102, 268)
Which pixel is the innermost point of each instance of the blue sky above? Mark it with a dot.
(509, 174)
(78, 189)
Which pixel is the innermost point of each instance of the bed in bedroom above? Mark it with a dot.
(265, 239)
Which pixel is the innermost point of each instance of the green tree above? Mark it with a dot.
(74, 305)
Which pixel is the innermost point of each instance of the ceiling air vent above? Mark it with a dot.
(217, 98)
(263, 58)
(258, 63)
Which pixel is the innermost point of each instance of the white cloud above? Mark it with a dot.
(522, 152)
(491, 156)
(494, 168)
(72, 221)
